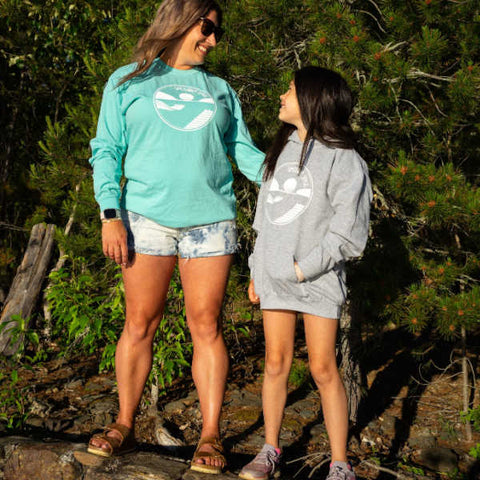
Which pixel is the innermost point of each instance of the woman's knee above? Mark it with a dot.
(140, 327)
(204, 326)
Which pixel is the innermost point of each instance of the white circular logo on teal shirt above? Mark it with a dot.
(184, 108)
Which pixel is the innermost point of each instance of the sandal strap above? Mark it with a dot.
(123, 430)
(216, 445)
(113, 443)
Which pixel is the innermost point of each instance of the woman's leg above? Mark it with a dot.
(204, 281)
(279, 327)
(321, 334)
(146, 284)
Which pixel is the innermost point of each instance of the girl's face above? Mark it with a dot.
(194, 46)
(289, 109)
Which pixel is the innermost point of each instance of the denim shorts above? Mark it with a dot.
(150, 238)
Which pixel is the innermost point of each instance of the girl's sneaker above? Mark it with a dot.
(263, 466)
(341, 471)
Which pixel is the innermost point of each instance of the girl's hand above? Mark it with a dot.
(252, 296)
(114, 241)
(299, 273)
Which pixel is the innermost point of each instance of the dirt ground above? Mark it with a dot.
(409, 423)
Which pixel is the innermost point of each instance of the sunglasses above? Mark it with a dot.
(208, 27)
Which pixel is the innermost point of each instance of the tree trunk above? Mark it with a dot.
(466, 385)
(26, 286)
(349, 366)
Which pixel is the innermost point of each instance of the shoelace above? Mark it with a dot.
(337, 474)
(268, 458)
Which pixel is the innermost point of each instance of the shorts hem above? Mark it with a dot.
(207, 255)
(152, 253)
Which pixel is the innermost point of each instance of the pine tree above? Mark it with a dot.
(414, 68)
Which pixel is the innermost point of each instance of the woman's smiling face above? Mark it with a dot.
(194, 46)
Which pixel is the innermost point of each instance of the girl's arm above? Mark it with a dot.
(240, 146)
(108, 148)
(350, 194)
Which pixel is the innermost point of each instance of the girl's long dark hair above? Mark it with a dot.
(325, 102)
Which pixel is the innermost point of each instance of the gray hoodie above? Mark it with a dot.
(318, 219)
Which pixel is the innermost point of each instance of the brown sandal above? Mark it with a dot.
(218, 453)
(116, 446)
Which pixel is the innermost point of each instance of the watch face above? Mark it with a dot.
(110, 213)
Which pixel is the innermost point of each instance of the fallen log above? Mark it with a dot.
(26, 286)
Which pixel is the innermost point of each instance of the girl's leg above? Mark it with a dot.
(146, 284)
(204, 281)
(321, 334)
(279, 327)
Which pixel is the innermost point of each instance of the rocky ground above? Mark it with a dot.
(410, 425)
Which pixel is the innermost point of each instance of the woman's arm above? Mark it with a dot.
(108, 148)
(240, 146)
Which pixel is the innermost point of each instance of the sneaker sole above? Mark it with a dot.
(248, 476)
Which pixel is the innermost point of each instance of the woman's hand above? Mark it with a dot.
(114, 241)
(253, 297)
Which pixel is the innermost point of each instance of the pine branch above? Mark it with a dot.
(9, 226)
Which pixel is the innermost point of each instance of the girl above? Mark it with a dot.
(312, 216)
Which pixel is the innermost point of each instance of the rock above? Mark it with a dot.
(252, 443)
(388, 424)
(306, 409)
(27, 459)
(318, 432)
(87, 459)
(423, 441)
(173, 408)
(44, 461)
(40, 409)
(34, 421)
(164, 437)
(190, 475)
(57, 424)
(139, 465)
(99, 384)
(104, 404)
(244, 398)
(441, 460)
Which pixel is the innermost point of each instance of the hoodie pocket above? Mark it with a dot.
(331, 285)
(281, 271)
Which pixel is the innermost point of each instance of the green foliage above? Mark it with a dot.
(473, 416)
(172, 347)
(87, 309)
(475, 452)
(299, 373)
(13, 403)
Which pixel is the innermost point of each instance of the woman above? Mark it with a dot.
(172, 125)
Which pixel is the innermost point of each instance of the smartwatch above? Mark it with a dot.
(110, 214)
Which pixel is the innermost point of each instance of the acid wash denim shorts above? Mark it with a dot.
(150, 238)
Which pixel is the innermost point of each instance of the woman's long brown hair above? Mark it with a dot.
(173, 19)
(325, 102)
